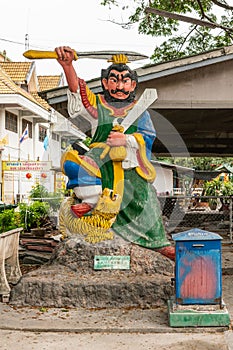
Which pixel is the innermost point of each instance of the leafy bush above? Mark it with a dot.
(34, 215)
(8, 220)
(213, 188)
(40, 193)
(218, 187)
(227, 189)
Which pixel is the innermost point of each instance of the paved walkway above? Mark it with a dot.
(41, 328)
(33, 328)
(114, 341)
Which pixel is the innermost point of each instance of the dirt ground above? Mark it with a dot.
(112, 341)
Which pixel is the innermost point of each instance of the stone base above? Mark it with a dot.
(197, 315)
(53, 287)
(70, 280)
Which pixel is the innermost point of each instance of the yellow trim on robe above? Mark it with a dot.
(103, 145)
(116, 112)
(72, 155)
(150, 177)
(118, 182)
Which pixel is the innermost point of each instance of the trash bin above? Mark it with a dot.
(198, 271)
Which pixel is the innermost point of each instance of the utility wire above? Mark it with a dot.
(11, 41)
(20, 43)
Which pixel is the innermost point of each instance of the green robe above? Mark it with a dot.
(139, 220)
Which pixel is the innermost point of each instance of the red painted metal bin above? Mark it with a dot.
(198, 271)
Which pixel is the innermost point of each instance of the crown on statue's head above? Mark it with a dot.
(119, 59)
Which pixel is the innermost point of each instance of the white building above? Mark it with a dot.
(172, 179)
(37, 158)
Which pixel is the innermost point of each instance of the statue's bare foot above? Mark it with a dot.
(169, 252)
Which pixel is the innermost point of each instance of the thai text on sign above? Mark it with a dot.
(25, 166)
(111, 262)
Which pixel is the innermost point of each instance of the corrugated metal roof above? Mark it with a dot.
(154, 71)
(227, 167)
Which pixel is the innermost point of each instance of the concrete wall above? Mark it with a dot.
(205, 87)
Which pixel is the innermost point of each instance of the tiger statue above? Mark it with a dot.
(95, 227)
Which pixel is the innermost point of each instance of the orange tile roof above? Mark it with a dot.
(47, 82)
(40, 100)
(17, 70)
(7, 86)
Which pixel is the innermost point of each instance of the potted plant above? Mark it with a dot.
(34, 216)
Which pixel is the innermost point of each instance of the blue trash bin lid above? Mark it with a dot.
(196, 234)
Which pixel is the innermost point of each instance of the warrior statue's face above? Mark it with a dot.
(119, 84)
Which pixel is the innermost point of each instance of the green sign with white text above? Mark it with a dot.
(112, 262)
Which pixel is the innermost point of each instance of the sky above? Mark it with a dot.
(82, 25)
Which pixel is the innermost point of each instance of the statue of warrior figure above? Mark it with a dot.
(112, 182)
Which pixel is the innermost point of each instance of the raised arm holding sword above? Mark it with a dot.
(119, 157)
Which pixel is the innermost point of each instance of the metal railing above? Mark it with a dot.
(209, 213)
(182, 213)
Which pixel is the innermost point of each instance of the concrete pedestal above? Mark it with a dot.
(72, 277)
(197, 315)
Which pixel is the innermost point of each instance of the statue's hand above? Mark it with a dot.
(65, 55)
(116, 139)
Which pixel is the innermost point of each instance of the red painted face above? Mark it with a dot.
(119, 84)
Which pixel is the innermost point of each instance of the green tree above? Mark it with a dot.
(175, 38)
